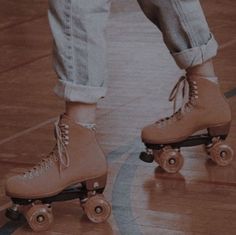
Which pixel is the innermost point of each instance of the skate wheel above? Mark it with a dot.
(221, 154)
(39, 217)
(97, 208)
(170, 160)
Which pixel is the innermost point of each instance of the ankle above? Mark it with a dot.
(84, 114)
(205, 70)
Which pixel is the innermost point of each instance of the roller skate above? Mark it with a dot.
(75, 169)
(206, 109)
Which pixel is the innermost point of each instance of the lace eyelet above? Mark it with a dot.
(31, 177)
(188, 109)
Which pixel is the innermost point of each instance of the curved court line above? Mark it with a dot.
(11, 227)
(121, 194)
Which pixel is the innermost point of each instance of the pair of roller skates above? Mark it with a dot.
(71, 171)
(72, 161)
(206, 109)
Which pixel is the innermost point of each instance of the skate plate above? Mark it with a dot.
(189, 142)
(169, 157)
(38, 212)
(65, 195)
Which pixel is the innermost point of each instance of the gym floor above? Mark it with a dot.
(201, 199)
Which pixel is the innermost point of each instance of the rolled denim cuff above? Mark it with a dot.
(196, 55)
(79, 93)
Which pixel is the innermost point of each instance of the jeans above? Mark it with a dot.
(78, 29)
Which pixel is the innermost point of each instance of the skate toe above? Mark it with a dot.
(151, 134)
(15, 186)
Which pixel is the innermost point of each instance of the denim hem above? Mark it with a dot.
(196, 55)
(79, 93)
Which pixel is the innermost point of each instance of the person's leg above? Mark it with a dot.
(187, 36)
(78, 29)
(184, 28)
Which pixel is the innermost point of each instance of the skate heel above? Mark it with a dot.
(96, 183)
(221, 130)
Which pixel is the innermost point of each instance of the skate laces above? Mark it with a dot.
(187, 85)
(62, 131)
(59, 153)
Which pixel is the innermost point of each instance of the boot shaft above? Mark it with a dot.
(76, 158)
(209, 99)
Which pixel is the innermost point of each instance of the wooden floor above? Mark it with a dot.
(199, 200)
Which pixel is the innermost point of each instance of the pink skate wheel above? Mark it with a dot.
(221, 153)
(170, 160)
(39, 217)
(97, 208)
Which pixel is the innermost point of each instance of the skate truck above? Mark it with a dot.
(169, 156)
(38, 212)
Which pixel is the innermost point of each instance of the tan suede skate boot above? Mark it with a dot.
(76, 158)
(206, 109)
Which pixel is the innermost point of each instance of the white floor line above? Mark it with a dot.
(227, 44)
(5, 206)
(27, 130)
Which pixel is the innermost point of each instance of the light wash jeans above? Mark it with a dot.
(78, 29)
